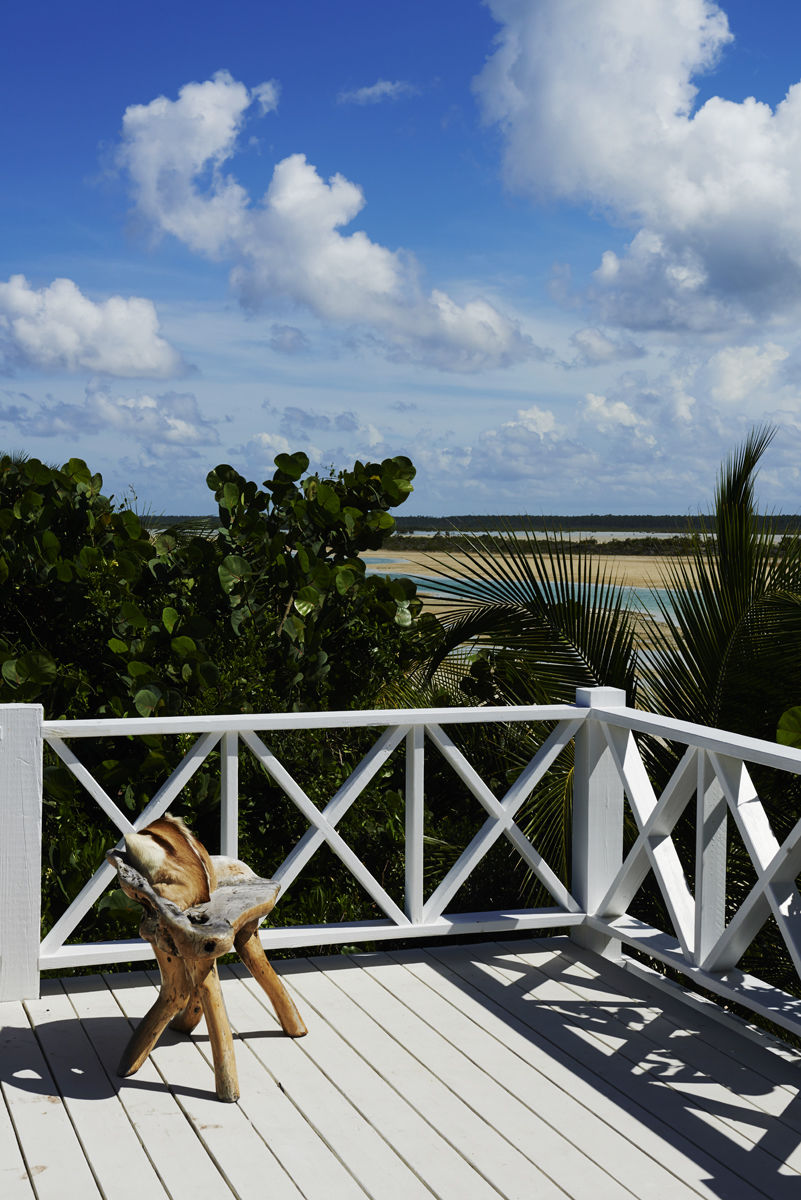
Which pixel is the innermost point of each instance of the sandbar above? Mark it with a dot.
(631, 570)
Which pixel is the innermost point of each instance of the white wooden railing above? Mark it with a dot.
(706, 941)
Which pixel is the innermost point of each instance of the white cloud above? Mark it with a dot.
(596, 104)
(645, 408)
(288, 339)
(167, 424)
(517, 448)
(59, 328)
(170, 420)
(742, 372)
(266, 95)
(289, 245)
(611, 415)
(167, 144)
(382, 89)
(593, 347)
(533, 420)
(270, 443)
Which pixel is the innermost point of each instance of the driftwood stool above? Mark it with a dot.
(187, 944)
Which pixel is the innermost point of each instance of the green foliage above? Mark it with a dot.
(788, 731)
(532, 621)
(727, 644)
(546, 618)
(272, 611)
(101, 619)
(291, 564)
(528, 621)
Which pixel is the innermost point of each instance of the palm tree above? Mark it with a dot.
(536, 619)
(727, 644)
(525, 620)
(540, 612)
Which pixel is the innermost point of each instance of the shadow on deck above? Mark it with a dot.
(527, 1069)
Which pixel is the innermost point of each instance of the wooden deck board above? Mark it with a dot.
(14, 1181)
(374, 1132)
(452, 1083)
(735, 1092)
(464, 1142)
(601, 1143)
(496, 1070)
(240, 1152)
(99, 1119)
(161, 1124)
(710, 1164)
(658, 1051)
(44, 1131)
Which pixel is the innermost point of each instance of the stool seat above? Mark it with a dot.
(187, 944)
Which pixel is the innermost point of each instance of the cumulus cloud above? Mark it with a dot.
(167, 424)
(269, 443)
(288, 339)
(337, 437)
(645, 443)
(612, 415)
(58, 328)
(743, 372)
(297, 423)
(593, 348)
(382, 89)
(596, 104)
(513, 450)
(172, 419)
(290, 244)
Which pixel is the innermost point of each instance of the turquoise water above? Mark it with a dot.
(640, 599)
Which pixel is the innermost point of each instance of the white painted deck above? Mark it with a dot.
(529, 1069)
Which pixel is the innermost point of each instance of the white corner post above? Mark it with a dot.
(711, 854)
(597, 817)
(20, 850)
(229, 794)
(415, 822)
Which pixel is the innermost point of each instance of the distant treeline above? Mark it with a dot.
(589, 523)
(167, 521)
(683, 526)
(405, 544)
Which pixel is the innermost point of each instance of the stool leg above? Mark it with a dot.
(186, 1020)
(172, 998)
(206, 982)
(248, 947)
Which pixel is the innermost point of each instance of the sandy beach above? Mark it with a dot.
(632, 570)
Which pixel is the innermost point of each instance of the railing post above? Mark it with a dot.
(597, 817)
(415, 752)
(710, 860)
(229, 794)
(20, 849)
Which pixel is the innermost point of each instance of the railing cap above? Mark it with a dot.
(600, 697)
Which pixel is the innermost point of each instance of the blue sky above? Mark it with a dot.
(548, 249)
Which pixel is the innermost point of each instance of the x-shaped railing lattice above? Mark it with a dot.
(721, 785)
(500, 820)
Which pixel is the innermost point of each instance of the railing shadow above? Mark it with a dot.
(648, 1073)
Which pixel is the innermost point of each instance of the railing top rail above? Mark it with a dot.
(718, 741)
(231, 723)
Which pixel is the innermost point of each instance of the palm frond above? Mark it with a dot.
(547, 611)
(725, 649)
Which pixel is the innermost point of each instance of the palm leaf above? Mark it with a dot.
(552, 617)
(727, 651)
(529, 620)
